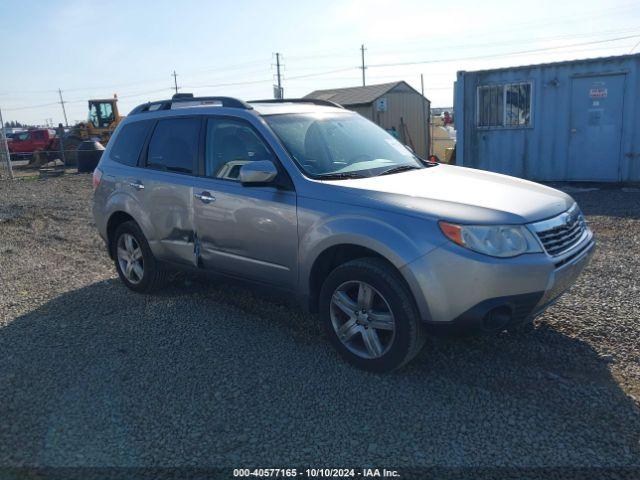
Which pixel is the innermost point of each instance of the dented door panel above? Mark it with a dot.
(248, 231)
(168, 198)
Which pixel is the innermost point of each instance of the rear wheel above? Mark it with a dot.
(135, 263)
(369, 315)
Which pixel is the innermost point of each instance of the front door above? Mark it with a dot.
(596, 128)
(250, 232)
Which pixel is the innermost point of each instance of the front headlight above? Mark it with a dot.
(495, 240)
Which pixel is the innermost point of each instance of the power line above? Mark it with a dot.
(244, 65)
(521, 52)
(30, 106)
(230, 84)
(319, 74)
(601, 13)
(62, 102)
(474, 45)
(140, 94)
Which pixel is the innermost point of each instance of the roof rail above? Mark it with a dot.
(315, 101)
(189, 100)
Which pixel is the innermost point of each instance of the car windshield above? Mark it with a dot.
(341, 145)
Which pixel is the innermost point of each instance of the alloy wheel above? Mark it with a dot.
(130, 258)
(362, 319)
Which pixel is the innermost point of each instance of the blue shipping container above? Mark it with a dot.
(567, 121)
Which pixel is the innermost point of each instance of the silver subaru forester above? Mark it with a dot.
(312, 199)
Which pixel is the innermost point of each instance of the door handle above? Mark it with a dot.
(137, 185)
(204, 197)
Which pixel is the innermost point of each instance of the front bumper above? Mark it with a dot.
(460, 290)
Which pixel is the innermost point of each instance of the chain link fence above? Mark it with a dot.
(52, 159)
(6, 170)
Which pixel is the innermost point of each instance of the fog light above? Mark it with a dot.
(496, 319)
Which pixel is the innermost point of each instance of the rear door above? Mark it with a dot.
(596, 127)
(250, 232)
(165, 187)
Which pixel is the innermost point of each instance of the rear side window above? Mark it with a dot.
(174, 145)
(128, 144)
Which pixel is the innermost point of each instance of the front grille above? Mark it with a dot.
(561, 233)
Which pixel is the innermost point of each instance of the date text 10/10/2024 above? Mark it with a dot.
(316, 472)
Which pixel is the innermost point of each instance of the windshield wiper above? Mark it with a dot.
(340, 176)
(398, 169)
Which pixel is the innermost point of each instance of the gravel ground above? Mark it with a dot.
(211, 374)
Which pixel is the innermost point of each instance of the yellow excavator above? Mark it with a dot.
(103, 119)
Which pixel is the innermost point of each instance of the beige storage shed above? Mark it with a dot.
(397, 107)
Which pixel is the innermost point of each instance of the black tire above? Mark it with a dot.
(88, 155)
(154, 276)
(409, 334)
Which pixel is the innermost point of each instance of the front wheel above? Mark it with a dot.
(369, 315)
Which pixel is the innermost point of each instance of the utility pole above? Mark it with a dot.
(175, 80)
(426, 119)
(64, 111)
(362, 49)
(279, 94)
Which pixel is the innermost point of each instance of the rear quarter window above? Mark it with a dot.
(129, 142)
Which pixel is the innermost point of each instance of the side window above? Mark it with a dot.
(174, 145)
(229, 145)
(129, 142)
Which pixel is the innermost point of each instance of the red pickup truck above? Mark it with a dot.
(25, 143)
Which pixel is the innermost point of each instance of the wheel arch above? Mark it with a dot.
(120, 207)
(116, 219)
(332, 257)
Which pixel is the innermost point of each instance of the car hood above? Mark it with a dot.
(458, 194)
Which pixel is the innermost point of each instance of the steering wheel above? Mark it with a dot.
(310, 165)
(364, 156)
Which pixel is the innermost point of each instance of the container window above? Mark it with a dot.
(491, 108)
(504, 105)
(518, 104)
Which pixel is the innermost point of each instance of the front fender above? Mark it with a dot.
(400, 240)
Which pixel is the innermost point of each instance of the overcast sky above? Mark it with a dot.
(93, 49)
